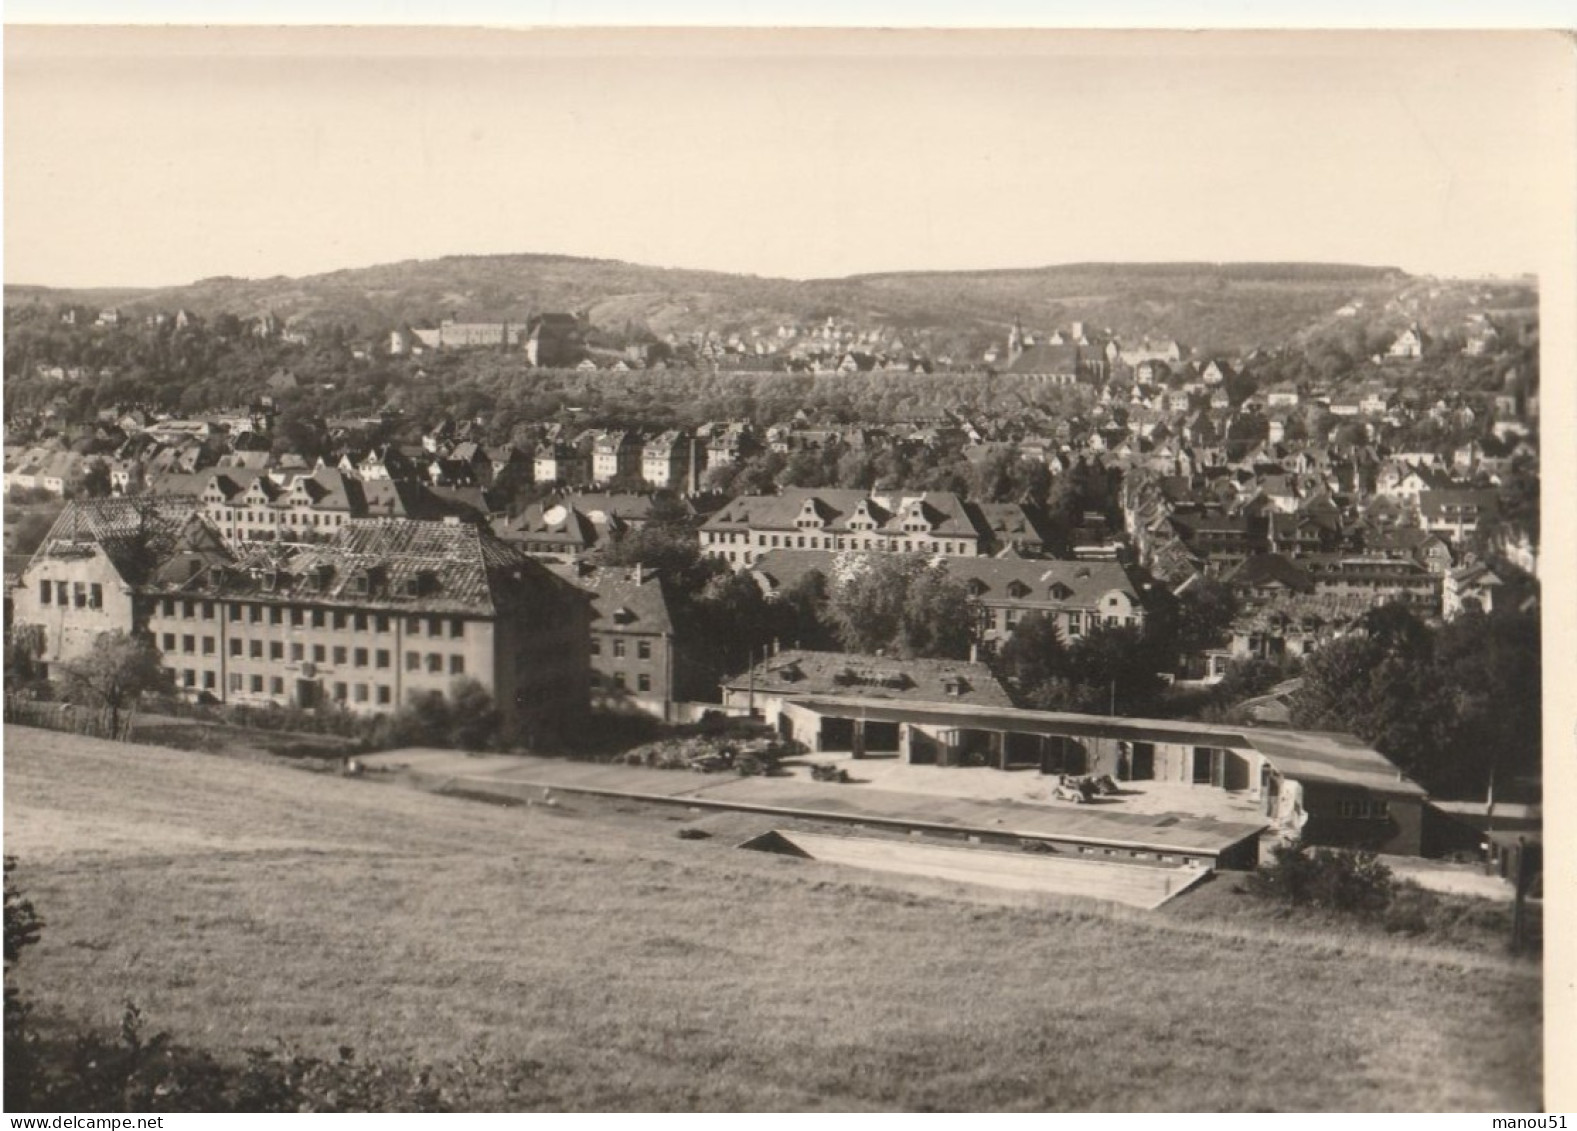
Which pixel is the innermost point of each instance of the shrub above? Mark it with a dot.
(22, 928)
(132, 1071)
(1332, 879)
(465, 720)
(474, 720)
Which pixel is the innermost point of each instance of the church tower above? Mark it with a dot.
(1015, 341)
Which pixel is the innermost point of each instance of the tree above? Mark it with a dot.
(669, 549)
(30, 531)
(731, 622)
(96, 479)
(24, 644)
(1452, 705)
(807, 600)
(300, 431)
(1032, 656)
(22, 929)
(901, 603)
(1205, 613)
(1105, 670)
(1123, 663)
(473, 715)
(1251, 676)
(119, 670)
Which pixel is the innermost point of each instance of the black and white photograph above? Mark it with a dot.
(778, 569)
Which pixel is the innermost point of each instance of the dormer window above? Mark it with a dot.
(421, 583)
(1018, 590)
(790, 673)
(1060, 592)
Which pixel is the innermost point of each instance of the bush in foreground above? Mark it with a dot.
(1330, 879)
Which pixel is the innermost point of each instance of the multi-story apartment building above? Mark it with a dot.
(1379, 579)
(931, 522)
(561, 463)
(1078, 597)
(616, 455)
(632, 640)
(1456, 512)
(728, 444)
(665, 461)
(387, 609)
(247, 505)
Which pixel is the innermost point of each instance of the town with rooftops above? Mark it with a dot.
(1101, 554)
(674, 569)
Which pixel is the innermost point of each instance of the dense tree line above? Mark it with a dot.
(219, 364)
(1453, 705)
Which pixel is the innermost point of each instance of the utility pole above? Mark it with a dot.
(1489, 803)
(1522, 877)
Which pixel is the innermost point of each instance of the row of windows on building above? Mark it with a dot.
(82, 595)
(188, 645)
(643, 648)
(1075, 622)
(380, 693)
(172, 609)
(832, 542)
(619, 681)
(1363, 809)
(229, 517)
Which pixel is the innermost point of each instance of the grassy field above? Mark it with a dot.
(623, 968)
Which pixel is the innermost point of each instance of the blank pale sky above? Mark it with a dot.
(142, 157)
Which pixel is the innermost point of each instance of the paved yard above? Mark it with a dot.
(1117, 821)
(982, 783)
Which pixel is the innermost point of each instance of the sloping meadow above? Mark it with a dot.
(600, 962)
